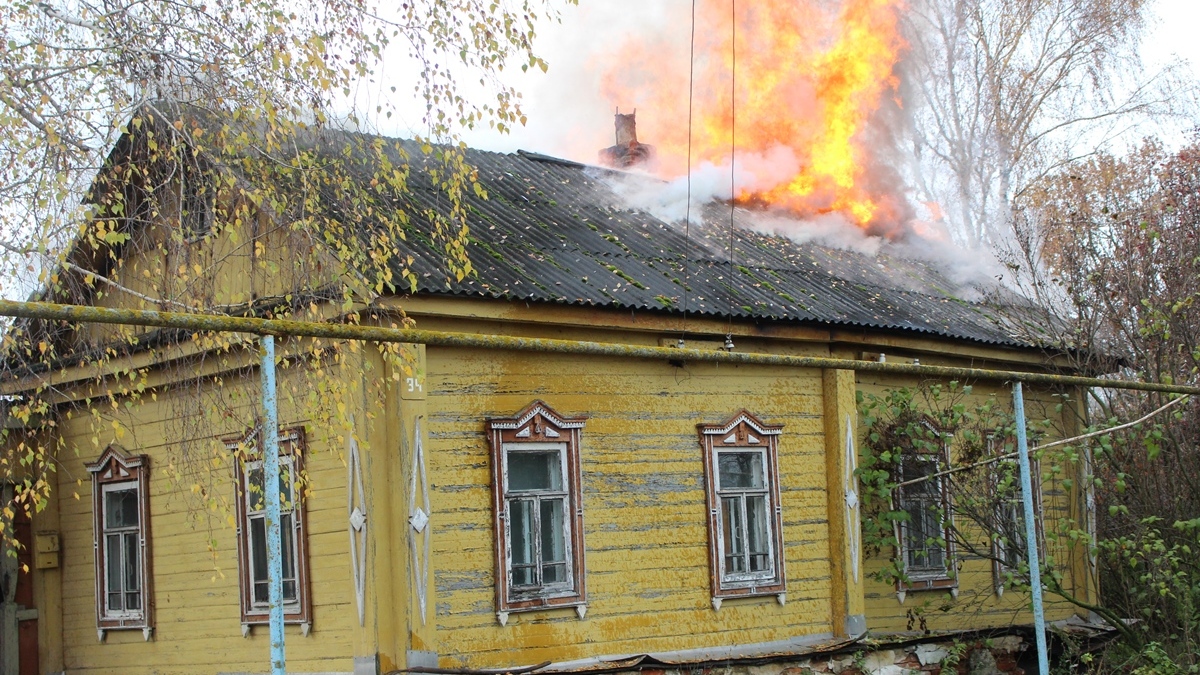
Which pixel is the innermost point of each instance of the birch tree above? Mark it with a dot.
(111, 109)
(1004, 92)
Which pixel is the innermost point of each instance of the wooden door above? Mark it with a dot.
(18, 616)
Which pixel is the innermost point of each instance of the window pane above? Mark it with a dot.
(522, 576)
(521, 531)
(285, 485)
(121, 508)
(554, 548)
(554, 574)
(757, 541)
(255, 498)
(258, 555)
(287, 548)
(740, 470)
(918, 467)
(734, 531)
(113, 571)
(1013, 534)
(132, 568)
(922, 532)
(535, 470)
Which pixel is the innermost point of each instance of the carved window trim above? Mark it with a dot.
(744, 432)
(1001, 568)
(292, 449)
(115, 470)
(944, 578)
(537, 428)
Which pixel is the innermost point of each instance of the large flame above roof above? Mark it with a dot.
(813, 81)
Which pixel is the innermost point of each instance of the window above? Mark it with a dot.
(121, 511)
(539, 515)
(926, 552)
(745, 525)
(252, 532)
(1009, 551)
(195, 199)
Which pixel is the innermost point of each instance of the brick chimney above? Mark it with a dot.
(627, 152)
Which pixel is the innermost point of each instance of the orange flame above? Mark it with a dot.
(813, 82)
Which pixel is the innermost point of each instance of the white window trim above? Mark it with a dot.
(926, 572)
(735, 579)
(103, 544)
(924, 579)
(292, 449)
(286, 464)
(1000, 566)
(553, 590)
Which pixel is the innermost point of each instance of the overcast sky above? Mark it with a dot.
(569, 117)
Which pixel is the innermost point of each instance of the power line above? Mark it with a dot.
(687, 218)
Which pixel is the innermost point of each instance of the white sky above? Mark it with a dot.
(1175, 32)
(568, 117)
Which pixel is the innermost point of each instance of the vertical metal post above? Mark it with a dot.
(270, 453)
(1035, 570)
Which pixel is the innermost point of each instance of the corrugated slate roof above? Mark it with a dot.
(556, 231)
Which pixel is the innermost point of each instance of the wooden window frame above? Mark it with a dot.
(1000, 567)
(947, 579)
(743, 432)
(538, 427)
(197, 199)
(292, 448)
(112, 469)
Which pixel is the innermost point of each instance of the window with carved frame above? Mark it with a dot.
(1009, 551)
(745, 523)
(536, 483)
(121, 512)
(252, 530)
(926, 546)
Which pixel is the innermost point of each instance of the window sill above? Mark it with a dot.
(779, 595)
(943, 583)
(579, 607)
(147, 631)
(250, 623)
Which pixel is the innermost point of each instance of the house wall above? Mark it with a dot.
(242, 261)
(643, 499)
(977, 601)
(194, 546)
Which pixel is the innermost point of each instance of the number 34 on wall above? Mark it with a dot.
(412, 387)
(412, 382)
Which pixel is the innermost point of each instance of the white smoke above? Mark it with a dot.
(708, 182)
(926, 240)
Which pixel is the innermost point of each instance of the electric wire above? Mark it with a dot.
(687, 218)
(732, 165)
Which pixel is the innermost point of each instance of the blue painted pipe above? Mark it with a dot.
(270, 453)
(1035, 569)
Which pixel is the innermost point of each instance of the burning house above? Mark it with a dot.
(495, 508)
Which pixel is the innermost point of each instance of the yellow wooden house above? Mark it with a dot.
(486, 508)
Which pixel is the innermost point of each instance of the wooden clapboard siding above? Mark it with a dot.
(977, 604)
(643, 498)
(198, 625)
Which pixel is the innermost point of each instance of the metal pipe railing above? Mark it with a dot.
(205, 322)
